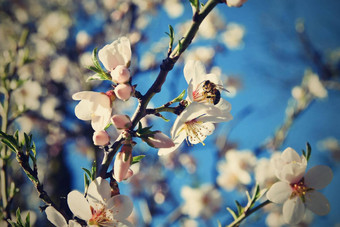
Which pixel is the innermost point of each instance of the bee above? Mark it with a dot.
(212, 91)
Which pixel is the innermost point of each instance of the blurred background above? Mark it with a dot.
(279, 61)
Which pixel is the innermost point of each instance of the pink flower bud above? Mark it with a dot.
(122, 163)
(120, 74)
(123, 91)
(121, 121)
(235, 3)
(160, 140)
(101, 138)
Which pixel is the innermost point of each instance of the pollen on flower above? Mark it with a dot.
(299, 189)
(193, 130)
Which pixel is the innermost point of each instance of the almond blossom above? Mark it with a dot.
(99, 208)
(94, 106)
(195, 123)
(116, 53)
(297, 190)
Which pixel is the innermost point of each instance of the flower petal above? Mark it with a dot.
(290, 155)
(189, 71)
(121, 206)
(178, 141)
(293, 210)
(279, 192)
(318, 177)
(55, 217)
(78, 205)
(194, 110)
(72, 223)
(201, 132)
(99, 191)
(83, 110)
(317, 202)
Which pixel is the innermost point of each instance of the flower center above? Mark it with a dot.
(299, 189)
(195, 131)
(99, 217)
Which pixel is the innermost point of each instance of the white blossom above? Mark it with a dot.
(94, 106)
(195, 123)
(297, 190)
(98, 208)
(116, 53)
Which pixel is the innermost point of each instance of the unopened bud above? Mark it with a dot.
(101, 138)
(123, 91)
(122, 163)
(160, 140)
(235, 3)
(120, 74)
(121, 121)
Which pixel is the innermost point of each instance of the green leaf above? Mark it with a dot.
(196, 4)
(232, 213)
(86, 181)
(93, 170)
(18, 215)
(309, 151)
(137, 159)
(94, 69)
(171, 36)
(27, 220)
(87, 172)
(165, 119)
(219, 223)
(239, 208)
(179, 97)
(95, 58)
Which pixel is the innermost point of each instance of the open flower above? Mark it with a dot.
(98, 208)
(297, 191)
(94, 106)
(195, 123)
(116, 53)
(203, 87)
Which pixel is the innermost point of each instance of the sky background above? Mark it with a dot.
(271, 62)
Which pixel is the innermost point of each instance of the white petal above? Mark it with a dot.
(55, 217)
(178, 141)
(201, 131)
(72, 223)
(194, 110)
(215, 115)
(318, 177)
(317, 202)
(99, 191)
(78, 205)
(83, 110)
(83, 95)
(289, 155)
(121, 206)
(292, 172)
(125, 49)
(279, 192)
(189, 70)
(293, 210)
(200, 73)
